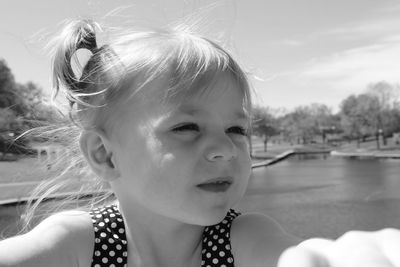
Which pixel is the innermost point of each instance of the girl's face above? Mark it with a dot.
(187, 160)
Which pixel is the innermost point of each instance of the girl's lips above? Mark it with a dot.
(220, 184)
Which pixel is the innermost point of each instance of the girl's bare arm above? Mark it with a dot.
(64, 239)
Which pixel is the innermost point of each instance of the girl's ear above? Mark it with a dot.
(97, 151)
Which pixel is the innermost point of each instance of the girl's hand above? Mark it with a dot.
(355, 248)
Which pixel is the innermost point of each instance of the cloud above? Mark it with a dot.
(354, 68)
(330, 79)
(366, 28)
(291, 42)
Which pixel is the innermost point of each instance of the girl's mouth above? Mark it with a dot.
(216, 185)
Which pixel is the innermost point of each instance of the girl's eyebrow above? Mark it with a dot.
(192, 111)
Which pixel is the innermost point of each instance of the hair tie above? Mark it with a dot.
(88, 42)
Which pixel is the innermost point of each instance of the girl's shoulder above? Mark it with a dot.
(258, 239)
(63, 239)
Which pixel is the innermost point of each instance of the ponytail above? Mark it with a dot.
(76, 35)
(69, 169)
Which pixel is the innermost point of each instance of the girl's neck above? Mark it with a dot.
(156, 240)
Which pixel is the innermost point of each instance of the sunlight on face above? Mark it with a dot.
(187, 160)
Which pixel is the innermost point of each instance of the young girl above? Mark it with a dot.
(164, 119)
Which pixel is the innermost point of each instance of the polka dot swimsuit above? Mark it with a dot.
(216, 247)
(111, 246)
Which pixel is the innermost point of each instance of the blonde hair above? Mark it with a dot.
(191, 62)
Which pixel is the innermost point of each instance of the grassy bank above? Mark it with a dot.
(368, 147)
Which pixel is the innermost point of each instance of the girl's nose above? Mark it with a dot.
(220, 149)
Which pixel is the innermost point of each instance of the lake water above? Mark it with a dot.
(319, 195)
(316, 195)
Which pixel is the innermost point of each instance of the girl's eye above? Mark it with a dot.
(187, 127)
(238, 130)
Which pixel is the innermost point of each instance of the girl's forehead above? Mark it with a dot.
(159, 93)
(205, 87)
(224, 92)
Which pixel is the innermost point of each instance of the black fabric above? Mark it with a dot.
(216, 247)
(110, 248)
(111, 245)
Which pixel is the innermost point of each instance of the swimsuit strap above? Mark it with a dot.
(216, 245)
(110, 247)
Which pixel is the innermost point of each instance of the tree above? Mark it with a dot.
(387, 100)
(360, 116)
(7, 86)
(264, 124)
(22, 106)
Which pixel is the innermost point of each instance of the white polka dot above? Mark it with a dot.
(106, 220)
(97, 265)
(111, 253)
(97, 253)
(224, 221)
(222, 230)
(209, 243)
(230, 259)
(221, 253)
(97, 240)
(211, 232)
(214, 248)
(101, 224)
(103, 235)
(115, 236)
(113, 265)
(104, 260)
(221, 241)
(112, 215)
(205, 239)
(208, 255)
(113, 225)
(202, 262)
(217, 227)
(119, 260)
(215, 261)
(121, 230)
(96, 229)
(125, 254)
(223, 265)
(215, 237)
(98, 216)
(203, 251)
(119, 247)
(104, 247)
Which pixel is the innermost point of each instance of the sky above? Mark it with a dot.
(298, 52)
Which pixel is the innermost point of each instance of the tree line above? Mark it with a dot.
(373, 114)
(22, 107)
